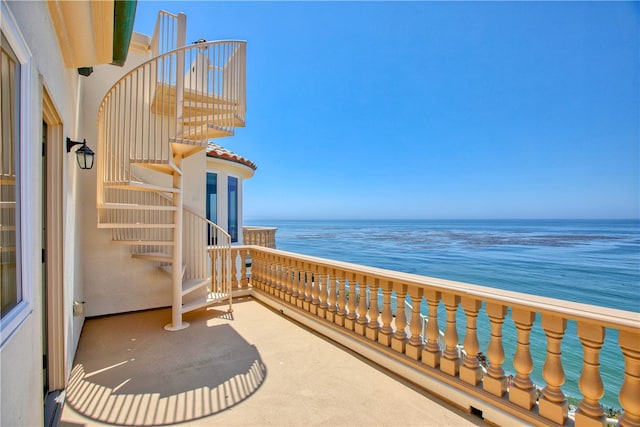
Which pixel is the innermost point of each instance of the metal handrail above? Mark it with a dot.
(146, 109)
(165, 35)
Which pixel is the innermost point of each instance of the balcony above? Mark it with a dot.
(429, 332)
(252, 367)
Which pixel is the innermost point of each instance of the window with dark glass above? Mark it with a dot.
(10, 286)
(212, 197)
(233, 208)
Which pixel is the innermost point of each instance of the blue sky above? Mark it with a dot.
(367, 110)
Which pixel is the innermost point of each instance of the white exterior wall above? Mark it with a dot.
(114, 282)
(94, 270)
(195, 183)
(21, 386)
(224, 169)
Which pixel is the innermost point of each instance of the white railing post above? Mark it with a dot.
(180, 70)
(176, 303)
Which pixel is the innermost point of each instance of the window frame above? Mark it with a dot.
(234, 237)
(25, 237)
(208, 200)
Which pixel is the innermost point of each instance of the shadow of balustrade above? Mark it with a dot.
(129, 371)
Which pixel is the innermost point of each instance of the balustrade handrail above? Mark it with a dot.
(257, 228)
(570, 310)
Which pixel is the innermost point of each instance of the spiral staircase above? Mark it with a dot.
(154, 117)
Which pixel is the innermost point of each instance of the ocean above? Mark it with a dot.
(594, 262)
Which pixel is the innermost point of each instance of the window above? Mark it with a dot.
(16, 239)
(9, 160)
(233, 208)
(212, 197)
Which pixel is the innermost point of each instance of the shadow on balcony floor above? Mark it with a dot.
(130, 371)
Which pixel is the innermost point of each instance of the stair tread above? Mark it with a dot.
(168, 92)
(212, 298)
(153, 187)
(193, 284)
(145, 242)
(207, 132)
(141, 186)
(155, 256)
(186, 150)
(133, 225)
(134, 206)
(168, 269)
(163, 166)
(213, 119)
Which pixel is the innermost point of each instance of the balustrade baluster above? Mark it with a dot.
(629, 343)
(386, 332)
(302, 285)
(522, 391)
(256, 270)
(275, 272)
(373, 326)
(308, 289)
(450, 360)
(262, 271)
(268, 269)
(350, 320)
(399, 339)
(235, 283)
(495, 382)
(277, 277)
(470, 371)
(284, 278)
(431, 354)
(553, 404)
(315, 291)
(589, 412)
(324, 292)
(414, 347)
(298, 290)
(333, 299)
(361, 323)
(295, 280)
(342, 300)
(244, 279)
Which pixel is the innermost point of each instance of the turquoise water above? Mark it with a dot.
(590, 261)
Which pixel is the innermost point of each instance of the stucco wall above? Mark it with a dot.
(21, 355)
(113, 281)
(224, 169)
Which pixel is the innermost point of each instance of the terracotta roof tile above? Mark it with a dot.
(218, 152)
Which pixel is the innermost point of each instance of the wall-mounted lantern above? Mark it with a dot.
(84, 154)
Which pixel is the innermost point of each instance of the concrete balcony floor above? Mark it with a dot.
(251, 367)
